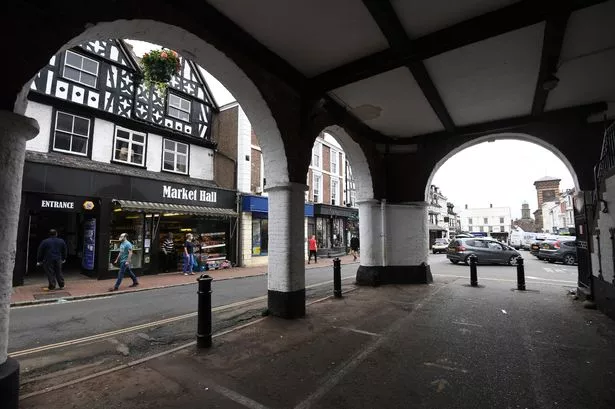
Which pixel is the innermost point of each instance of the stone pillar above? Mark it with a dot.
(15, 130)
(286, 278)
(394, 245)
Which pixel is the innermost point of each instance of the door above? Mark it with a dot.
(496, 252)
(582, 222)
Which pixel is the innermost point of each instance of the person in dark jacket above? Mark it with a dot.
(52, 254)
(354, 246)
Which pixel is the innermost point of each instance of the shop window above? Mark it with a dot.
(334, 191)
(175, 157)
(316, 188)
(501, 229)
(131, 223)
(501, 220)
(129, 147)
(178, 107)
(71, 134)
(260, 237)
(80, 69)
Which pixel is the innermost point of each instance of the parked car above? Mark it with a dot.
(563, 251)
(487, 251)
(439, 246)
(535, 247)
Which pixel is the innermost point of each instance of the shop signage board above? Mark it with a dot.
(194, 195)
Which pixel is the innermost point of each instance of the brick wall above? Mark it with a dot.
(326, 158)
(254, 139)
(224, 132)
(255, 181)
(326, 188)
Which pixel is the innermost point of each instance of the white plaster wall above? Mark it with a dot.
(154, 152)
(102, 140)
(246, 238)
(201, 163)
(244, 148)
(492, 214)
(286, 238)
(406, 231)
(370, 233)
(43, 115)
(605, 222)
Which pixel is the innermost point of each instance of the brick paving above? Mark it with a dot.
(82, 286)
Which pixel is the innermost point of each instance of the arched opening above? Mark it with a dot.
(496, 195)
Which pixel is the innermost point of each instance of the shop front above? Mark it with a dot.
(255, 229)
(334, 226)
(92, 211)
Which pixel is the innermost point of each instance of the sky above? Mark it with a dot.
(501, 173)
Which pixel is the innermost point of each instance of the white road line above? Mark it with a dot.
(237, 397)
(466, 323)
(165, 321)
(548, 270)
(448, 368)
(358, 331)
(542, 280)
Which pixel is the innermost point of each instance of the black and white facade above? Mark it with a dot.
(117, 155)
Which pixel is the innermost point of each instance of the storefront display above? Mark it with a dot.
(260, 236)
(334, 226)
(131, 224)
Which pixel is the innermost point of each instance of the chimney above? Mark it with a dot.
(491, 205)
(466, 206)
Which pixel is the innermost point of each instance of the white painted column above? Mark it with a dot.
(15, 130)
(286, 278)
(403, 230)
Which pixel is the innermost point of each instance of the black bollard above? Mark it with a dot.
(337, 278)
(203, 334)
(473, 273)
(520, 274)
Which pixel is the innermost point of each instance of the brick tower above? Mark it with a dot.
(547, 190)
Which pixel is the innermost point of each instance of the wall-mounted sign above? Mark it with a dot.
(88, 205)
(195, 195)
(56, 204)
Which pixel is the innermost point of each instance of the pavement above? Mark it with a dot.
(445, 345)
(80, 286)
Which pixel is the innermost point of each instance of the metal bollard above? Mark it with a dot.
(337, 278)
(473, 273)
(203, 334)
(520, 274)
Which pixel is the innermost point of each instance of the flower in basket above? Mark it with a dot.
(158, 67)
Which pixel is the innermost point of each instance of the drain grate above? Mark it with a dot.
(51, 295)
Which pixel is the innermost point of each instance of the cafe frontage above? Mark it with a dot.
(90, 209)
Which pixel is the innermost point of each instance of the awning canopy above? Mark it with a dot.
(435, 227)
(133, 205)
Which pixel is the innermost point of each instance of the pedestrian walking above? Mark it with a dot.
(123, 258)
(313, 247)
(168, 251)
(188, 255)
(51, 255)
(354, 247)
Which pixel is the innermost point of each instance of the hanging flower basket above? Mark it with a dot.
(159, 67)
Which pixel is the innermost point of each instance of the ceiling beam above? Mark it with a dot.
(500, 125)
(384, 14)
(510, 18)
(551, 50)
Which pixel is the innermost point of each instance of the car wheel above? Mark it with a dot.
(513, 260)
(569, 259)
(455, 261)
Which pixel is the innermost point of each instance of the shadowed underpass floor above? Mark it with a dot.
(445, 345)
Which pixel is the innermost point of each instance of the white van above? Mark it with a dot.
(516, 239)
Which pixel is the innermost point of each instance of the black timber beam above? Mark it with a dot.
(551, 49)
(383, 13)
(510, 18)
(507, 124)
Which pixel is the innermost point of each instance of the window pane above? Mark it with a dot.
(173, 100)
(64, 122)
(181, 168)
(181, 159)
(137, 158)
(81, 126)
(71, 73)
(80, 145)
(169, 161)
(182, 148)
(184, 116)
(123, 134)
(88, 79)
(174, 112)
(121, 150)
(137, 149)
(62, 141)
(138, 137)
(90, 66)
(185, 105)
(169, 145)
(73, 59)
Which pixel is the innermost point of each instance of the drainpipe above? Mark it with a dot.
(384, 231)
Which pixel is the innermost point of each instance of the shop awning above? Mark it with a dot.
(133, 205)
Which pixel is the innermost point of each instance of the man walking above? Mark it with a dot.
(354, 247)
(168, 249)
(52, 254)
(312, 247)
(124, 257)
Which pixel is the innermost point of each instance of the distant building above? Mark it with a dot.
(526, 222)
(547, 190)
(438, 215)
(558, 215)
(494, 221)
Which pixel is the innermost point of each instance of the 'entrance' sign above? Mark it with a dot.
(54, 204)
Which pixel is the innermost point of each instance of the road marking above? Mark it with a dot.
(237, 397)
(466, 323)
(544, 280)
(548, 270)
(504, 312)
(139, 327)
(358, 331)
(441, 385)
(547, 279)
(448, 368)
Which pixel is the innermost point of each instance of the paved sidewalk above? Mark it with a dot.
(83, 287)
(445, 345)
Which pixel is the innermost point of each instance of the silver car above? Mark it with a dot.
(487, 251)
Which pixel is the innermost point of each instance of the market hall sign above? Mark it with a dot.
(195, 195)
